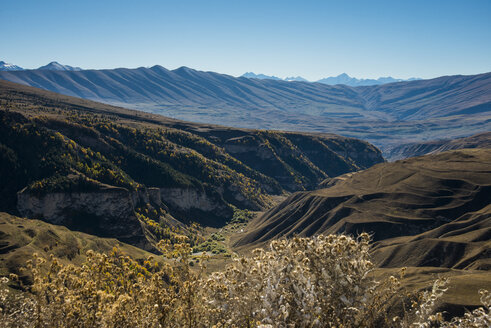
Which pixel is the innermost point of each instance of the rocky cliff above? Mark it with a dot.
(190, 205)
(107, 212)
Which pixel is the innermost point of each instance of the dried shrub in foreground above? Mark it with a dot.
(302, 282)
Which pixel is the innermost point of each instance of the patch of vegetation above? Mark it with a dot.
(58, 183)
(214, 244)
(154, 219)
(241, 216)
(239, 220)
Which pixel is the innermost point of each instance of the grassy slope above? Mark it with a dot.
(20, 238)
(391, 199)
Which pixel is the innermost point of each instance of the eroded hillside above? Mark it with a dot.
(415, 209)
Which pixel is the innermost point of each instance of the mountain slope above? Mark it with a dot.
(414, 208)
(119, 173)
(441, 97)
(465, 243)
(480, 140)
(389, 114)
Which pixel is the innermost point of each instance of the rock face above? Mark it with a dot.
(154, 195)
(190, 204)
(110, 212)
(187, 199)
(104, 213)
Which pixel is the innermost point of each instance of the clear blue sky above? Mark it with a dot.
(313, 39)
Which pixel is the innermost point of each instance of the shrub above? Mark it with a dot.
(303, 282)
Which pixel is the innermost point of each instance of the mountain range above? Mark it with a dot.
(340, 79)
(343, 78)
(386, 115)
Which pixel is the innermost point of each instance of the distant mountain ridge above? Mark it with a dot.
(386, 115)
(354, 82)
(343, 78)
(53, 66)
(251, 75)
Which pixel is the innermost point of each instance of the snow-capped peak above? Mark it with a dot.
(9, 67)
(296, 78)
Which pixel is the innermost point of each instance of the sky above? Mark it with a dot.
(312, 39)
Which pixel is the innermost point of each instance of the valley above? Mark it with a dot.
(89, 166)
(80, 175)
(245, 164)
